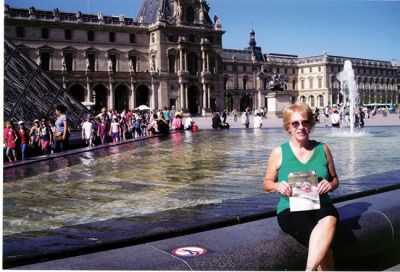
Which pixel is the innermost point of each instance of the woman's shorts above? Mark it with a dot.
(300, 224)
(115, 135)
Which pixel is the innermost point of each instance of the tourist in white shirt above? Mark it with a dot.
(257, 121)
(188, 123)
(87, 132)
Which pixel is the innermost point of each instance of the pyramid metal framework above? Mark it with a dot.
(29, 93)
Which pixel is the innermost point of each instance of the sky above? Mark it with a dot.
(351, 28)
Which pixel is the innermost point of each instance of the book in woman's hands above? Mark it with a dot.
(305, 195)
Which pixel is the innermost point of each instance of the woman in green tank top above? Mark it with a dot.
(314, 228)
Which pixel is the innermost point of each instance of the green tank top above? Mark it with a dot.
(290, 163)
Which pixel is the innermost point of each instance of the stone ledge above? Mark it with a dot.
(368, 238)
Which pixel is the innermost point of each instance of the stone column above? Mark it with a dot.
(207, 61)
(259, 98)
(186, 96)
(89, 93)
(181, 95)
(111, 96)
(133, 95)
(205, 91)
(153, 95)
(203, 56)
(185, 60)
(208, 96)
(181, 60)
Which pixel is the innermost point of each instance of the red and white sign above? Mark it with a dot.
(189, 251)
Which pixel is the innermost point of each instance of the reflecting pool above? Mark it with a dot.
(179, 171)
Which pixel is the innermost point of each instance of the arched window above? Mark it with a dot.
(311, 101)
(320, 101)
(190, 15)
(302, 99)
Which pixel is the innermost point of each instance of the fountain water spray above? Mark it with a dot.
(348, 88)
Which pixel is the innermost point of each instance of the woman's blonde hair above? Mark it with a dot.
(300, 108)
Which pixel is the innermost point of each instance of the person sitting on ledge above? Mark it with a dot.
(216, 121)
(313, 228)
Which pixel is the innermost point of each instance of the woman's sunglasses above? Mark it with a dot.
(304, 123)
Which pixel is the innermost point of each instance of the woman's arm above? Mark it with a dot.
(329, 186)
(270, 183)
(65, 129)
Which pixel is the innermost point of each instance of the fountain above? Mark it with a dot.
(161, 185)
(348, 88)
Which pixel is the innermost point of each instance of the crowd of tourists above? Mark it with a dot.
(47, 136)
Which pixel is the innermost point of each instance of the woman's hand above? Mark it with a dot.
(324, 187)
(283, 188)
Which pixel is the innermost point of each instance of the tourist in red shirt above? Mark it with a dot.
(11, 142)
(23, 136)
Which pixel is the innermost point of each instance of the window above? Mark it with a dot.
(302, 70)
(192, 38)
(92, 59)
(111, 37)
(153, 38)
(171, 63)
(133, 63)
(69, 58)
(212, 65)
(319, 68)
(68, 34)
(132, 38)
(225, 83)
(244, 68)
(45, 33)
(285, 70)
(171, 37)
(90, 36)
(294, 84)
(321, 101)
(310, 69)
(302, 84)
(293, 71)
(311, 101)
(192, 62)
(320, 83)
(311, 83)
(45, 61)
(20, 32)
(190, 15)
(113, 59)
(244, 83)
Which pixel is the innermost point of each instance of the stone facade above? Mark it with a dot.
(172, 55)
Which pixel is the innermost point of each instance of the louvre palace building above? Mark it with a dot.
(172, 54)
